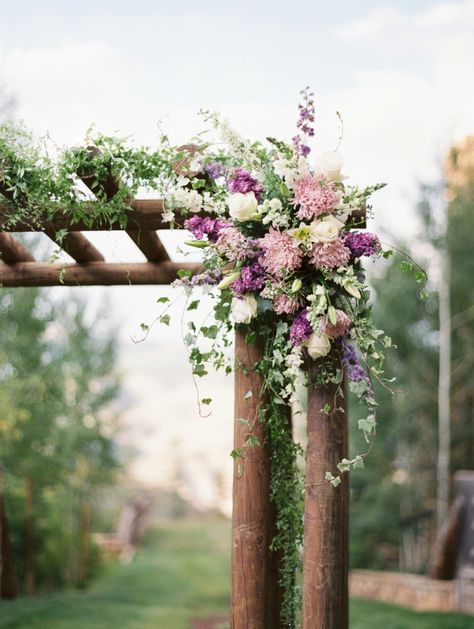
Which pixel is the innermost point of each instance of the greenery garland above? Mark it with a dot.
(282, 256)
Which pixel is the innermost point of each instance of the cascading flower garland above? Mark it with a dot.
(283, 251)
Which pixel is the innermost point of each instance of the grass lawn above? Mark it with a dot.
(181, 573)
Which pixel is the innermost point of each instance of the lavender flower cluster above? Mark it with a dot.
(242, 181)
(351, 363)
(252, 278)
(301, 329)
(362, 244)
(205, 226)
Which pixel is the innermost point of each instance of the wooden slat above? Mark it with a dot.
(12, 251)
(150, 244)
(77, 246)
(91, 274)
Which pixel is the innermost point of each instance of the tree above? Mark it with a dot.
(57, 382)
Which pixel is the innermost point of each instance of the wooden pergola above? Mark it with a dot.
(256, 593)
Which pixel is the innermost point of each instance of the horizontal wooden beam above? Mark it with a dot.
(92, 274)
(12, 251)
(144, 214)
(77, 246)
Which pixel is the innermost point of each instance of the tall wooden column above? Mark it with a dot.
(325, 563)
(256, 594)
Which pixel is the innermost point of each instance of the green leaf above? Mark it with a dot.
(144, 327)
(248, 395)
(193, 305)
(200, 370)
(165, 319)
(210, 332)
(183, 273)
(206, 401)
(162, 300)
(236, 453)
(252, 441)
(332, 315)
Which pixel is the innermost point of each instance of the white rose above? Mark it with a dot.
(242, 206)
(244, 309)
(326, 230)
(329, 164)
(318, 345)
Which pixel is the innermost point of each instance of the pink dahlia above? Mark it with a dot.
(284, 304)
(315, 195)
(329, 255)
(337, 329)
(233, 244)
(281, 253)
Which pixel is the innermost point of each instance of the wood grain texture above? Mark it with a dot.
(325, 558)
(11, 250)
(91, 274)
(256, 594)
(77, 246)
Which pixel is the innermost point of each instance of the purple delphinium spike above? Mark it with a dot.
(351, 362)
(214, 169)
(305, 123)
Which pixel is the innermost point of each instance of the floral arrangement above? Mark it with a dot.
(284, 236)
(283, 239)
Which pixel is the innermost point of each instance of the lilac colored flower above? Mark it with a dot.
(242, 181)
(352, 365)
(301, 328)
(305, 121)
(208, 278)
(205, 226)
(252, 278)
(329, 255)
(284, 304)
(362, 244)
(234, 245)
(281, 253)
(214, 169)
(315, 194)
(337, 329)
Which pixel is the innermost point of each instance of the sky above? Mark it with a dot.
(399, 72)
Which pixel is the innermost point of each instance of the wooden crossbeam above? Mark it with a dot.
(12, 251)
(91, 274)
(144, 214)
(150, 244)
(77, 246)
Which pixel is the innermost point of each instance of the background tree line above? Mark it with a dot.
(394, 500)
(58, 387)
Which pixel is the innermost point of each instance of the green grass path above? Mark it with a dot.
(181, 573)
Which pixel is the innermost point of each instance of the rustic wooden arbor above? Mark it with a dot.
(256, 592)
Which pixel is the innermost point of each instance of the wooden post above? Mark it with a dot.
(256, 594)
(325, 564)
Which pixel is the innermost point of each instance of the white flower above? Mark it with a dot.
(290, 170)
(326, 230)
(242, 206)
(318, 345)
(244, 309)
(189, 199)
(329, 164)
